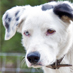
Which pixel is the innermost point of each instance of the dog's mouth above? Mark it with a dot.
(55, 65)
(39, 65)
(34, 61)
(36, 65)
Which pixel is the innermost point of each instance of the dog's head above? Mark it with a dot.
(46, 31)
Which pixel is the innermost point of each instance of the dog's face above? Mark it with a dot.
(39, 35)
(44, 31)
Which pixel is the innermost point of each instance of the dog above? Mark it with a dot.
(47, 34)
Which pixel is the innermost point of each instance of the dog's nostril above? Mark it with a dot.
(36, 58)
(33, 57)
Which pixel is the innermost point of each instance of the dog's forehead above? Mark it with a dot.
(40, 19)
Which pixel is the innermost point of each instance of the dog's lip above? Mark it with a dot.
(38, 64)
(41, 65)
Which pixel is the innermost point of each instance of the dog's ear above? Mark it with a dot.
(64, 11)
(12, 20)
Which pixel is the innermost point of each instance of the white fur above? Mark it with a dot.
(51, 47)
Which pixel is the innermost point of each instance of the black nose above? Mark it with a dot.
(33, 57)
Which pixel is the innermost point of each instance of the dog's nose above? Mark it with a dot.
(33, 57)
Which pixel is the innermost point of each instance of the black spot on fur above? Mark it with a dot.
(17, 18)
(8, 30)
(16, 13)
(6, 16)
(47, 7)
(9, 19)
(6, 25)
(63, 9)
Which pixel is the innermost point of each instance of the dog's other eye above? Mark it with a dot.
(50, 31)
(26, 33)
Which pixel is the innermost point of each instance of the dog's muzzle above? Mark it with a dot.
(33, 57)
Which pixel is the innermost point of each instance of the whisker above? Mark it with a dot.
(23, 62)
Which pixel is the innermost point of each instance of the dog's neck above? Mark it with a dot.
(57, 64)
(68, 59)
(69, 55)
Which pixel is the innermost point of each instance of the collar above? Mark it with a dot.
(57, 65)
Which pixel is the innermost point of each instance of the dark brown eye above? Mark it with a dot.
(50, 31)
(26, 33)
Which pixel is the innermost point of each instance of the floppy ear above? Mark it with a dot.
(64, 11)
(12, 19)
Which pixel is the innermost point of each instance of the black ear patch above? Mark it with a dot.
(7, 25)
(47, 7)
(63, 10)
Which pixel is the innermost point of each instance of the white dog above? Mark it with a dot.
(47, 34)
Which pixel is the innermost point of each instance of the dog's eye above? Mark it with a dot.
(50, 31)
(26, 33)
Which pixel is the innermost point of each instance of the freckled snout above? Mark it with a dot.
(33, 57)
